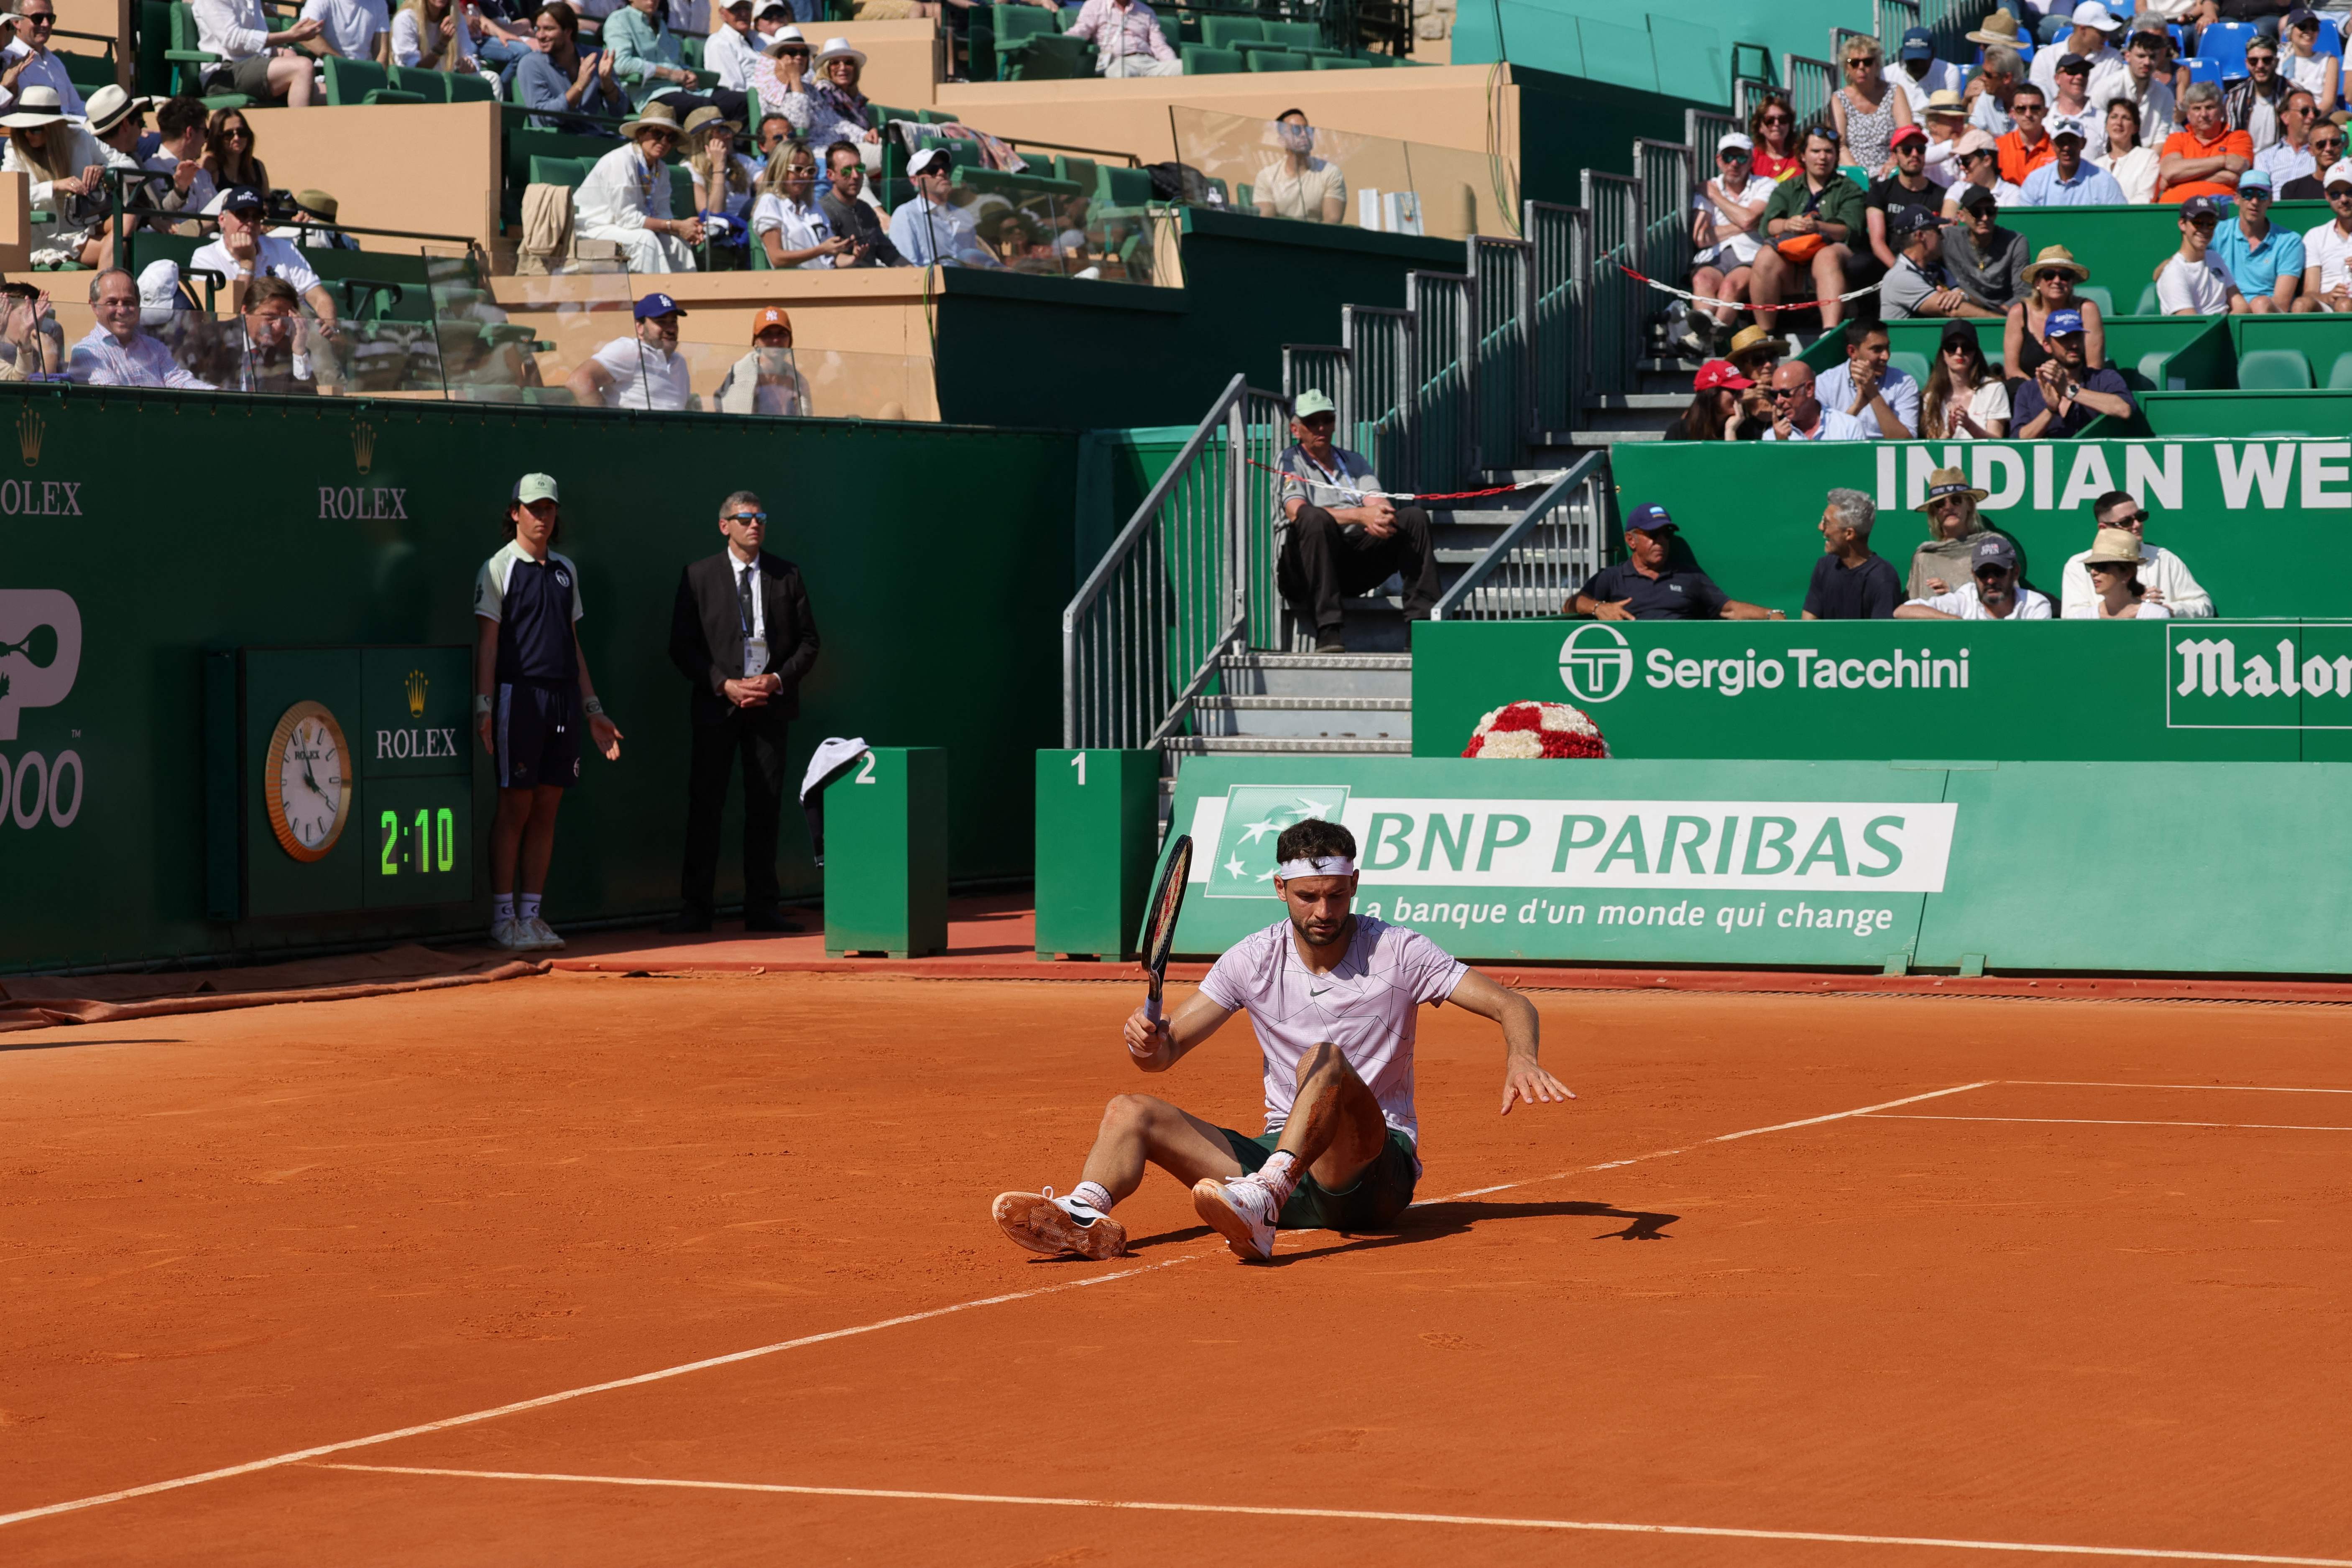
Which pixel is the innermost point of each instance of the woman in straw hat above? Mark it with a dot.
(626, 196)
(841, 112)
(1942, 564)
(1756, 353)
(2049, 282)
(1946, 117)
(723, 182)
(64, 167)
(2113, 566)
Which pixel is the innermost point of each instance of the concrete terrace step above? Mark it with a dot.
(1318, 675)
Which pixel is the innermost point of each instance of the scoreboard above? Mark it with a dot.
(338, 779)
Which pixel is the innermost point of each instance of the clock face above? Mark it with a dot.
(306, 787)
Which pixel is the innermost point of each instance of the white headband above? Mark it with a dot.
(1329, 866)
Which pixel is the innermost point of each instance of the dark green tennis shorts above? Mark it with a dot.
(1379, 1194)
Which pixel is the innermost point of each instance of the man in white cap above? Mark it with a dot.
(29, 61)
(730, 51)
(2096, 29)
(2326, 280)
(116, 353)
(928, 230)
(626, 198)
(2069, 180)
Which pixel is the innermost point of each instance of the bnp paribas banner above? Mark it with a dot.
(1734, 863)
(2186, 690)
(1749, 511)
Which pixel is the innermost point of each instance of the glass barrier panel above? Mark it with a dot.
(1312, 174)
(844, 384)
(524, 339)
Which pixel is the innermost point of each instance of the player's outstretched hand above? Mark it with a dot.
(1146, 1038)
(1523, 1080)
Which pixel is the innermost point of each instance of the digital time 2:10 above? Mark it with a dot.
(437, 840)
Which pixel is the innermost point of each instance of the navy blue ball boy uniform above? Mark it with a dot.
(536, 719)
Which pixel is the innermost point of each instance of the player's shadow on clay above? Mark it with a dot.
(1457, 1216)
(1435, 1221)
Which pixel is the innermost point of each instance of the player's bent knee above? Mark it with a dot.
(1322, 1058)
(1132, 1110)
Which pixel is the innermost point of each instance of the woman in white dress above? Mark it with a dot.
(2322, 74)
(2134, 166)
(432, 34)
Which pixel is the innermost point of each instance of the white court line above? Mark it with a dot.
(2231, 1088)
(2100, 1121)
(1381, 1516)
(302, 1456)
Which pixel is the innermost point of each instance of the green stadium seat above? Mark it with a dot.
(2150, 371)
(1046, 56)
(192, 59)
(2149, 305)
(1299, 34)
(88, 72)
(1200, 60)
(1122, 186)
(1328, 63)
(468, 88)
(934, 117)
(1916, 366)
(1224, 32)
(2098, 294)
(1016, 188)
(1276, 60)
(1079, 171)
(570, 172)
(352, 82)
(689, 50)
(2274, 369)
(1172, 29)
(433, 86)
(682, 189)
(2340, 378)
(1014, 23)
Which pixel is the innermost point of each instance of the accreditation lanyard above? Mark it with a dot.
(1349, 495)
(755, 646)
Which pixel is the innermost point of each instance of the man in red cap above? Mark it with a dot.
(766, 381)
(1908, 187)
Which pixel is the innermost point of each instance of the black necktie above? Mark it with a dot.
(743, 598)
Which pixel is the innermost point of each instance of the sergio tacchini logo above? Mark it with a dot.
(1595, 662)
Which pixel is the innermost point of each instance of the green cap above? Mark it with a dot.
(536, 487)
(1311, 403)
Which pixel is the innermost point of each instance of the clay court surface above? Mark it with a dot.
(2097, 1302)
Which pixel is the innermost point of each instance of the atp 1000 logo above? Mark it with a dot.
(40, 653)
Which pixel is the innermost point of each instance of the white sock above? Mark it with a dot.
(1280, 1173)
(501, 908)
(526, 906)
(1094, 1195)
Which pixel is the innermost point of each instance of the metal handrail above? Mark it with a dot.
(1546, 567)
(1811, 84)
(1134, 655)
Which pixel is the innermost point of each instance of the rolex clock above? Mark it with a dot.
(339, 780)
(307, 781)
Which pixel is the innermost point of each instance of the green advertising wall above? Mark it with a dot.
(2233, 510)
(1882, 865)
(144, 531)
(2186, 690)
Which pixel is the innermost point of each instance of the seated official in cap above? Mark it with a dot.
(2066, 393)
(766, 381)
(1339, 535)
(1993, 592)
(1649, 585)
(642, 372)
(2163, 577)
(1799, 415)
(2193, 281)
(1851, 582)
(1943, 559)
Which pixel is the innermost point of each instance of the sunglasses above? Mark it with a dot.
(2121, 518)
(1731, 155)
(1777, 119)
(1780, 392)
(1991, 573)
(746, 517)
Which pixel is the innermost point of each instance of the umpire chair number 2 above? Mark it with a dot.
(866, 775)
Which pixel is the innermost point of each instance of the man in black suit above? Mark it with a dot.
(742, 635)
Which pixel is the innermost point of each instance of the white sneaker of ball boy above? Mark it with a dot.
(1332, 997)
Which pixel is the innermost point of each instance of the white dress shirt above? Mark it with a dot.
(1964, 604)
(1942, 75)
(644, 376)
(755, 641)
(46, 71)
(730, 54)
(1835, 390)
(233, 29)
(100, 360)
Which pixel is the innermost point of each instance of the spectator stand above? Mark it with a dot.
(1028, 43)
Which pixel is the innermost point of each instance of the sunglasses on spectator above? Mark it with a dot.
(746, 517)
(1731, 155)
(2339, 195)
(1991, 573)
(1778, 119)
(1780, 392)
(2021, 109)
(39, 18)
(2121, 518)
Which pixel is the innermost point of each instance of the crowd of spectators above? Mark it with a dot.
(1966, 569)
(1899, 186)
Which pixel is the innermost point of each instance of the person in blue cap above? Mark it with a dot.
(1649, 584)
(2264, 260)
(1918, 71)
(2066, 393)
(641, 371)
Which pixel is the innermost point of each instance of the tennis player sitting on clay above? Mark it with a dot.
(1331, 995)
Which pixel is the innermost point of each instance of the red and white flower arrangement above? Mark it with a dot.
(1526, 730)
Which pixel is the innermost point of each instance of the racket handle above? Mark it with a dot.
(1151, 1006)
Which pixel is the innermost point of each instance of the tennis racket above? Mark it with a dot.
(1160, 918)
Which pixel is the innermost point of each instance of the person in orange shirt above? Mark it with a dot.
(2205, 159)
(2028, 146)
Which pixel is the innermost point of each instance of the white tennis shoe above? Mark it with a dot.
(1242, 1210)
(541, 934)
(1054, 1226)
(509, 934)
